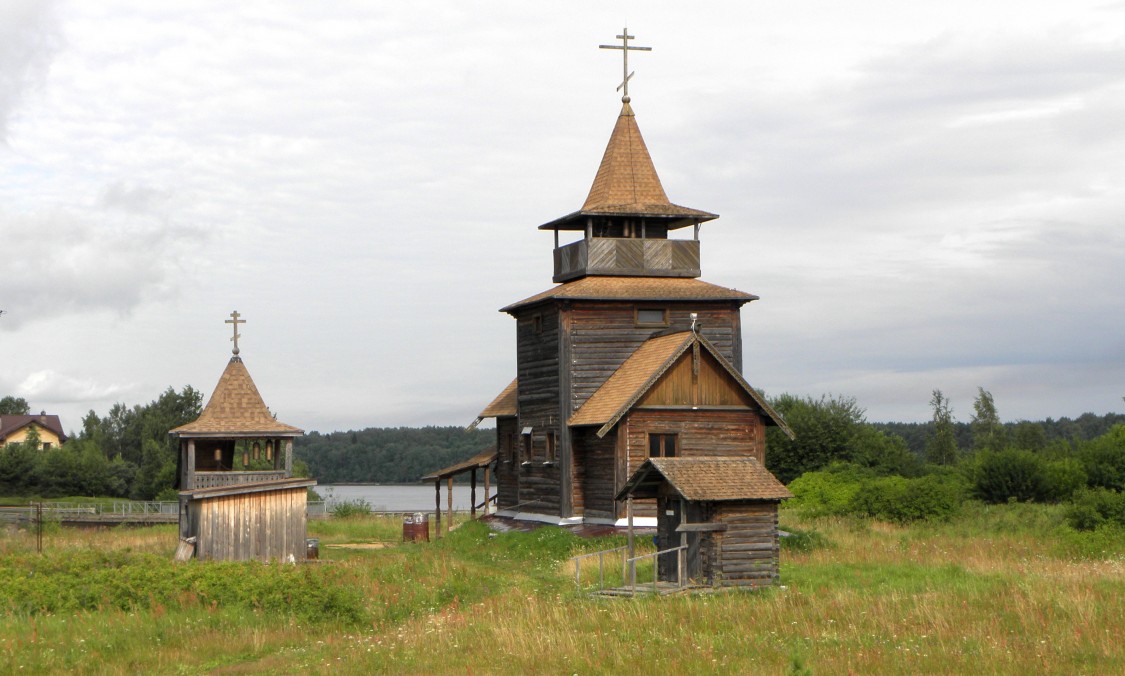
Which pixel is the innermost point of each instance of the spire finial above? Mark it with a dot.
(234, 319)
(625, 49)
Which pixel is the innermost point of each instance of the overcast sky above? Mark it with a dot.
(924, 195)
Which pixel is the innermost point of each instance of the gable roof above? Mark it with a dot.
(235, 408)
(706, 478)
(636, 288)
(627, 184)
(622, 390)
(13, 423)
(505, 404)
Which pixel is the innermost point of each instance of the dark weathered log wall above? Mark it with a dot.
(748, 551)
(537, 367)
(507, 463)
(594, 460)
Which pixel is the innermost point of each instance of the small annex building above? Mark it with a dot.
(238, 498)
(15, 429)
(723, 510)
(629, 357)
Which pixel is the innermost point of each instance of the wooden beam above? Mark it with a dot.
(701, 527)
(449, 502)
(437, 508)
(487, 473)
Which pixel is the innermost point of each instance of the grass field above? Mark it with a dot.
(1005, 589)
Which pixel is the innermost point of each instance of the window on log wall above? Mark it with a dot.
(662, 445)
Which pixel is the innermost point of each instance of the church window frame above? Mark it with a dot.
(650, 316)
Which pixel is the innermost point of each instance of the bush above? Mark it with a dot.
(1009, 474)
(902, 500)
(824, 493)
(348, 508)
(1095, 507)
(795, 540)
(1104, 459)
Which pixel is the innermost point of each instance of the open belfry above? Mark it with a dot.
(630, 357)
(238, 499)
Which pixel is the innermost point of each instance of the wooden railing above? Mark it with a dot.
(681, 553)
(627, 256)
(217, 479)
(601, 565)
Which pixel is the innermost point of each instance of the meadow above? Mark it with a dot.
(1000, 589)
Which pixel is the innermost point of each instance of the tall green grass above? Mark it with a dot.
(999, 589)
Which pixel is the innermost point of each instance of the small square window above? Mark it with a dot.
(652, 317)
(662, 445)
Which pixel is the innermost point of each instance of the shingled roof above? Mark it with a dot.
(706, 478)
(622, 390)
(636, 288)
(236, 409)
(627, 184)
(505, 404)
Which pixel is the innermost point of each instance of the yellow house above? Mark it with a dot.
(15, 428)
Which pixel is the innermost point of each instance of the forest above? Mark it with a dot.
(839, 462)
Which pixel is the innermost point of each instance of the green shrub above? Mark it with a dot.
(347, 508)
(796, 540)
(824, 493)
(1104, 459)
(902, 500)
(1009, 474)
(1093, 507)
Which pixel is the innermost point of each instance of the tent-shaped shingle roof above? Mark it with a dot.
(236, 409)
(622, 390)
(706, 478)
(627, 184)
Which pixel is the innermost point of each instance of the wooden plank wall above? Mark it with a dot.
(261, 526)
(748, 552)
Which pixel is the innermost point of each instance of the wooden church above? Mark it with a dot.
(631, 356)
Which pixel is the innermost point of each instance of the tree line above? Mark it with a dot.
(128, 453)
(841, 464)
(388, 454)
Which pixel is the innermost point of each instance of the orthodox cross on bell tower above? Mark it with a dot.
(625, 49)
(234, 319)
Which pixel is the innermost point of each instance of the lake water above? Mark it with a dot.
(399, 497)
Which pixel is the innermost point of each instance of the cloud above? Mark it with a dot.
(29, 39)
(49, 387)
(73, 260)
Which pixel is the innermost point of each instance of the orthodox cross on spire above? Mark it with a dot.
(234, 319)
(625, 49)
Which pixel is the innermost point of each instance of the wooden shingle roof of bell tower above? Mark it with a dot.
(627, 184)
